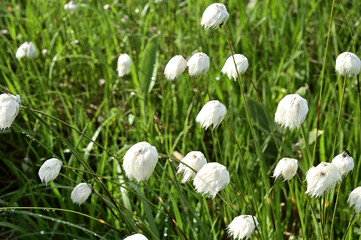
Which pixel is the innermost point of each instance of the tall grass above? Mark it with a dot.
(90, 126)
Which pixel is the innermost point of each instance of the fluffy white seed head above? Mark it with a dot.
(195, 160)
(212, 113)
(211, 179)
(344, 163)
(230, 69)
(175, 67)
(287, 168)
(214, 16)
(70, 7)
(49, 170)
(291, 111)
(9, 109)
(348, 63)
(321, 178)
(355, 199)
(242, 226)
(137, 236)
(198, 64)
(27, 49)
(140, 160)
(124, 65)
(80, 193)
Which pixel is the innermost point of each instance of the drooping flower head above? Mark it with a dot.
(291, 111)
(321, 178)
(198, 64)
(344, 163)
(49, 170)
(211, 179)
(9, 109)
(175, 67)
(214, 16)
(137, 236)
(230, 69)
(348, 63)
(124, 65)
(80, 193)
(140, 160)
(355, 199)
(212, 113)
(287, 168)
(242, 226)
(195, 160)
(27, 49)
(70, 7)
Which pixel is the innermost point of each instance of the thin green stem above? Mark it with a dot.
(339, 115)
(334, 211)
(205, 80)
(199, 91)
(307, 145)
(322, 80)
(298, 216)
(349, 225)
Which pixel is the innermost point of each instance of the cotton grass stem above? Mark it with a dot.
(199, 91)
(206, 83)
(334, 211)
(339, 115)
(322, 80)
(306, 145)
(349, 225)
(298, 215)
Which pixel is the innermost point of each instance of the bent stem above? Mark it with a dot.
(334, 211)
(349, 225)
(339, 115)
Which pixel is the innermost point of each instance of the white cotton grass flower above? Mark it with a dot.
(198, 64)
(9, 109)
(211, 179)
(291, 111)
(214, 16)
(230, 69)
(287, 168)
(124, 65)
(136, 236)
(321, 178)
(242, 226)
(195, 160)
(355, 199)
(348, 64)
(50, 170)
(344, 163)
(27, 49)
(212, 113)
(70, 7)
(140, 160)
(80, 193)
(175, 67)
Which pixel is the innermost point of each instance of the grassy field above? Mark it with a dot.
(76, 108)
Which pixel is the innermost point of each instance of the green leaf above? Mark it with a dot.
(147, 64)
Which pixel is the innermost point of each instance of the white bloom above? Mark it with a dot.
(106, 7)
(27, 49)
(355, 199)
(9, 109)
(211, 179)
(140, 160)
(212, 113)
(80, 193)
(287, 167)
(344, 163)
(291, 111)
(198, 64)
(242, 226)
(348, 63)
(70, 7)
(49, 170)
(321, 178)
(229, 67)
(175, 67)
(124, 65)
(214, 16)
(195, 160)
(137, 236)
